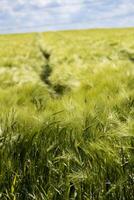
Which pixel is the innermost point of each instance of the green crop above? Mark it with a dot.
(67, 115)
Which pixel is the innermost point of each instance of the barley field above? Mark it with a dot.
(67, 115)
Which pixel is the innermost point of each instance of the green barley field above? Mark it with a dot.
(67, 115)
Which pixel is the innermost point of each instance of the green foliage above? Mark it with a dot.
(67, 116)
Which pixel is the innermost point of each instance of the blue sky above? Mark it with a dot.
(44, 15)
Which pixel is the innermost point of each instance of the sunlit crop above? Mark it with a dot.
(67, 115)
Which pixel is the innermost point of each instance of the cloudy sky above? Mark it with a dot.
(43, 15)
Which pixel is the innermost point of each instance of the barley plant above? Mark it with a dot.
(67, 115)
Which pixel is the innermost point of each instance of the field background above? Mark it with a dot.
(67, 115)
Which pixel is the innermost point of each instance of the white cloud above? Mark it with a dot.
(91, 13)
(4, 6)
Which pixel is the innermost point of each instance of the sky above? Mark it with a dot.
(18, 16)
